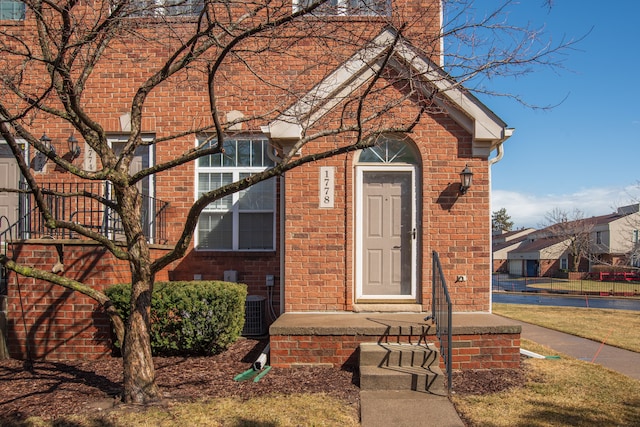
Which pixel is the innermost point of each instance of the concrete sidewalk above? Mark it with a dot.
(624, 361)
(406, 409)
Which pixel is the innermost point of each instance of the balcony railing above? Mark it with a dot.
(77, 203)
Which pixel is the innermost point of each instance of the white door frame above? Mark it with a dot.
(359, 214)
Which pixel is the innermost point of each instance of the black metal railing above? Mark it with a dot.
(80, 203)
(442, 315)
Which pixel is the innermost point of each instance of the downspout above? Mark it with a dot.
(273, 156)
(493, 161)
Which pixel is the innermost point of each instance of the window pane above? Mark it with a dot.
(211, 181)
(257, 155)
(256, 231)
(350, 7)
(12, 10)
(258, 197)
(166, 7)
(229, 157)
(244, 153)
(215, 231)
(183, 7)
(388, 151)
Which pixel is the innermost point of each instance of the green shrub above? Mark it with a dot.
(189, 318)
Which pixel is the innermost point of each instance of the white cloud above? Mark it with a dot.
(528, 209)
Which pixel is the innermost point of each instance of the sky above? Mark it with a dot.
(585, 152)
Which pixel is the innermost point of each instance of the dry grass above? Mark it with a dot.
(558, 392)
(618, 328)
(292, 410)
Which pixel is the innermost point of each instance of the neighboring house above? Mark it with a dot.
(504, 242)
(612, 242)
(539, 256)
(351, 234)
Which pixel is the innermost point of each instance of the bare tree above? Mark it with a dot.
(71, 59)
(574, 229)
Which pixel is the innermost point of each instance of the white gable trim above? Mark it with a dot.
(487, 129)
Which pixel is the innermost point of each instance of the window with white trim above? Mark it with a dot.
(348, 7)
(564, 263)
(243, 221)
(12, 10)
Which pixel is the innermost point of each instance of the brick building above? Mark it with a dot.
(353, 233)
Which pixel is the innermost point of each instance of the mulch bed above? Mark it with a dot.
(51, 389)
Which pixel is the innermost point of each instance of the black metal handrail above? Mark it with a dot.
(442, 315)
(84, 209)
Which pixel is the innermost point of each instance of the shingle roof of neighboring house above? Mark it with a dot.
(538, 244)
(497, 246)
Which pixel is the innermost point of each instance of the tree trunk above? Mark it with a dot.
(139, 374)
(4, 352)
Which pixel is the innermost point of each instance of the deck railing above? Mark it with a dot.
(79, 203)
(441, 315)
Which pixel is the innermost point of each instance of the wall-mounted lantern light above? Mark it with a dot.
(466, 179)
(46, 141)
(74, 147)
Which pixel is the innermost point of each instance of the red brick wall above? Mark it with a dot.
(320, 254)
(48, 321)
(319, 246)
(485, 351)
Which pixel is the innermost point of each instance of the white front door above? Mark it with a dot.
(9, 178)
(386, 233)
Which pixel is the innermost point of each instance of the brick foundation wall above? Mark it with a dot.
(483, 351)
(46, 321)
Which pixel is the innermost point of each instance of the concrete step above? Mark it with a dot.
(418, 355)
(401, 367)
(424, 380)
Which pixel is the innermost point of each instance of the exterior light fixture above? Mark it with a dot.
(46, 141)
(74, 147)
(466, 179)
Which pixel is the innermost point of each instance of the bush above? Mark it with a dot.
(189, 318)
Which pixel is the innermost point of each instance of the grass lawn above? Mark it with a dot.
(285, 411)
(618, 328)
(559, 392)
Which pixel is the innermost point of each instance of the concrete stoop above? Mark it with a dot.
(401, 367)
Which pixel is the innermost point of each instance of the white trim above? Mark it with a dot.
(235, 171)
(487, 129)
(359, 170)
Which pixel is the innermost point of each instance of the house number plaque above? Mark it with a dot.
(90, 161)
(327, 186)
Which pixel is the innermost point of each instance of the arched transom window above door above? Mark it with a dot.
(389, 150)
